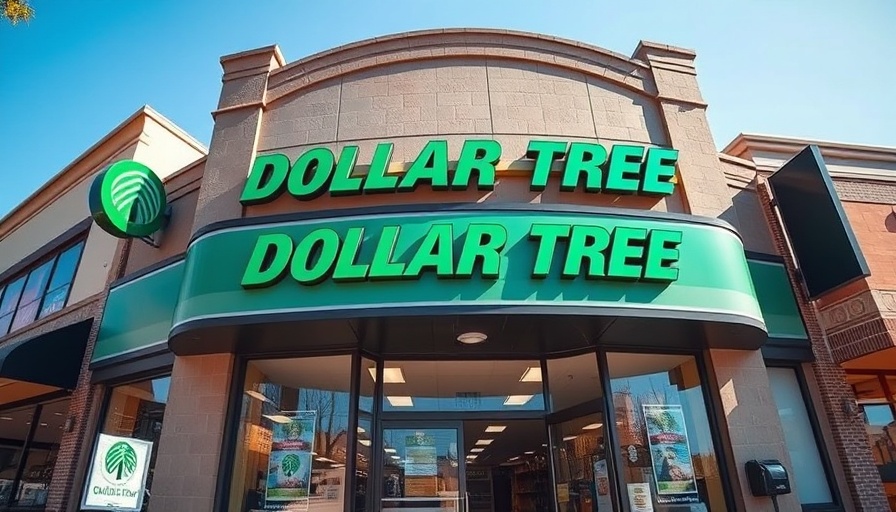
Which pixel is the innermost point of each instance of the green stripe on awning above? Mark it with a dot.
(776, 300)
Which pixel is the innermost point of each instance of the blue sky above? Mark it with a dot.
(811, 68)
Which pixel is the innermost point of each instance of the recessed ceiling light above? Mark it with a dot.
(532, 374)
(593, 426)
(471, 456)
(390, 375)
(569, 438)
(256, 395)
(361, 430)
(278, 418)
(390, 450)
(400, 401)
(477, 450)
(396, 457)
(517, 399)
(5, 418)
(57, 413)
(484, 442)
(43, 424)
(495, 428)
(528, 453)
(365, 442)
(471, 338)
(512, 459)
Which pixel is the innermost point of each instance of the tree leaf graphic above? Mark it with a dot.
(121, 460)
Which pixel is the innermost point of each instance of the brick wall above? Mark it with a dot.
(875, 228)
(848, 431)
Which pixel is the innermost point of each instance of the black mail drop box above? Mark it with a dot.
(767, 478)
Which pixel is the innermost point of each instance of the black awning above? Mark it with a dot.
(52, 359)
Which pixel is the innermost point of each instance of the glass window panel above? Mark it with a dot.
(293, 429)
(54, 301)
(9, 302)
(462, 386)
(879, 424)
(41, 458)
(808, 471)
(365, 435)
(665, 447)
(136, 410)
(14, 425)
(419, 464)
(66, 266)
(33, 292)
(574, 381)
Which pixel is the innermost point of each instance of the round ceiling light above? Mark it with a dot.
(471, 338)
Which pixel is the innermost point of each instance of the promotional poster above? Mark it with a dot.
(289, 466)
(670, 454)
(117, 477)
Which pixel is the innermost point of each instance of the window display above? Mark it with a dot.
(666, 454)
(292, 441)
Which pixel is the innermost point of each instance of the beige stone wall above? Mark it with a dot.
(188, 459)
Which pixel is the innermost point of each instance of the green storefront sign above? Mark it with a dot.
(470, 256)
(592, 167)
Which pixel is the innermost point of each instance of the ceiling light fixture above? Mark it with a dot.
(484, 442)
(5, 418)
(396, 457)
(477, 450)
(257, 395)
(390, 375)
(471, 338)
(532, 374)
(569, 438)
(495, 428)
(593, 426)
(528, 453)
(365, 442)
(400, 401)
(513, 459)
(518, 399)
(278, 418)
(361, 430)
(390, 450)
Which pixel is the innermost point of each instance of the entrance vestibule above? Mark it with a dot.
(477, 435)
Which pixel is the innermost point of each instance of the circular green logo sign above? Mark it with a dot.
(128, 200)
(119, 463)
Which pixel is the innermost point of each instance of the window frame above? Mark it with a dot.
(836, 505)
(51, 256)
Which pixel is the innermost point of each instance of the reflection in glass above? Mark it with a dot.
(60, 283)
(666, 453)
(878, 412)
(293, 431)
(462, 386)
(808, 471)
(420, 469)
(39, 460)
(33, 292)
(9, 302)
(365, 435)
(136, 410)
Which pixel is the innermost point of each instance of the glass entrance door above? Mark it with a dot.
(421, 470)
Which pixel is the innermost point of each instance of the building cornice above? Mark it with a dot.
(746, 142)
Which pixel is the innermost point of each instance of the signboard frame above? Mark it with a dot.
(96, 472)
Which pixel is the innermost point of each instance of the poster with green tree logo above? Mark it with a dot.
(670, 453)
(289, 466)
(117, 476)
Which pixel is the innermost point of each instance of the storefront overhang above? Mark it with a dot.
(530, 274)
(50, 359)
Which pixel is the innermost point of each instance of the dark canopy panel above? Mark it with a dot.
(823, 241)
(52, 359)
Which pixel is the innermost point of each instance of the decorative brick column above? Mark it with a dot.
(848, 431)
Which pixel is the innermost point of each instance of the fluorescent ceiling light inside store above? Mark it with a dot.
(390, 375)
(278, 418)
(593, 426)
(365, 442)
(569, 438)
(518, 399)
(484, 442)
(532, 374)
(400, 401)
(495, 428)
(390, 450)
(477, 450)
